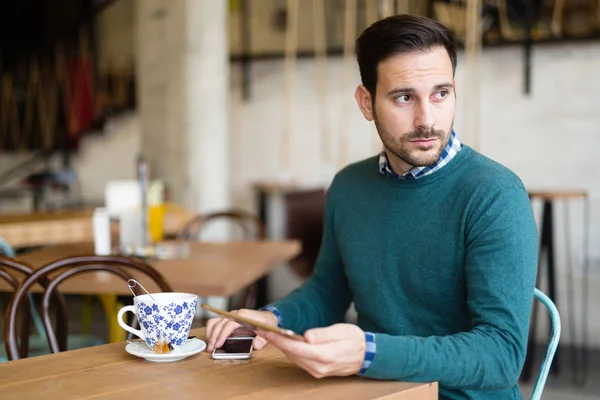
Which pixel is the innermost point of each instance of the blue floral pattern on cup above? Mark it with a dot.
(174, 318)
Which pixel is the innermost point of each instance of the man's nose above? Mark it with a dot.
(424, 116)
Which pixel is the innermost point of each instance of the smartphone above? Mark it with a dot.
(254, 325)
(234, 348)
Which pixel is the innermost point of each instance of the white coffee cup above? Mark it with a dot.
(173, 313)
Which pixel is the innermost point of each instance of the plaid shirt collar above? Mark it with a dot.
(452, 148)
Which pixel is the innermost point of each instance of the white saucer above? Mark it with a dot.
(141, 349)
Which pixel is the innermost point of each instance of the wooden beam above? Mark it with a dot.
(473, 49)
(291, 47)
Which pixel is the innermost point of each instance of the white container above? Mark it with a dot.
(122, 195)
(101, 225)
(130, 230)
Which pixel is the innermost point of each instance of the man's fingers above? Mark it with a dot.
(259, 342)
(210, 324)
(324, 335)
(315, 368)
(225, 332)
(283, 343)
(215, 332)
(292, 346)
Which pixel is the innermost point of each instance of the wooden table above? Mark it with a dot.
(108, 372)
(62, 227)
(35, 229)
(213, 269)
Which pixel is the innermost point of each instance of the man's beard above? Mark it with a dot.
(414, 157)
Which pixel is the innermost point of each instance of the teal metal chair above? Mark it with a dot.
(6, 249)
(538, 388)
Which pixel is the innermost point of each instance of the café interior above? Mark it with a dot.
(187, 146)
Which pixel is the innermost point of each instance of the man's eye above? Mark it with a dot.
(405, 98)
(442, 94)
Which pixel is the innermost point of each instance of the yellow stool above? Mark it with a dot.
(111, 308)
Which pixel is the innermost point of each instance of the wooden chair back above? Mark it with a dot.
(252, 228)
(251, 225)
(58, 271)
(8, 265)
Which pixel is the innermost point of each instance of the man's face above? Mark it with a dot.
(414, 107)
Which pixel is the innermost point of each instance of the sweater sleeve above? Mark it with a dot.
(325, 297)
(500, 268)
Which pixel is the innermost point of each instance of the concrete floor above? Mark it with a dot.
(551, 393)
(561, 386)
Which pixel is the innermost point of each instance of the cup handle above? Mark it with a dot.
(136, 332)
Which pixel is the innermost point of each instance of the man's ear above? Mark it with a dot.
(365, 102)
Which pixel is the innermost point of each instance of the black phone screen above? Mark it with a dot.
(235, 346)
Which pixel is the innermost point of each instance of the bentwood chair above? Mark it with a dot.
(57, 272)
(252, 229)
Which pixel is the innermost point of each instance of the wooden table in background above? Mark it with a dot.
(63, 227)
(108, 372)
(213, 269)
(40, 229)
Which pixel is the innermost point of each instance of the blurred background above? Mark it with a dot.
(248, 105)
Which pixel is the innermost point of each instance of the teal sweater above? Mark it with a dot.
(441, 269)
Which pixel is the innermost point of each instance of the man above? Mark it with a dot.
(435, 244)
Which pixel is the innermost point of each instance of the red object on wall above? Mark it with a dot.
(80, 107)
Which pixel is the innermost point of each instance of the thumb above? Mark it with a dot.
(323, 335)
(259, 342)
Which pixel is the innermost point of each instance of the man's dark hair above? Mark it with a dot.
(399, 34)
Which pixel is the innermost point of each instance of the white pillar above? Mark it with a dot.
(183, 74)
(207, 82)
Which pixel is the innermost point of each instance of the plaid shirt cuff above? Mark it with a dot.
(274, 311)
(369, 353)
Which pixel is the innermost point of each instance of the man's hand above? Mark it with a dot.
(338, 350)
(219, 329)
